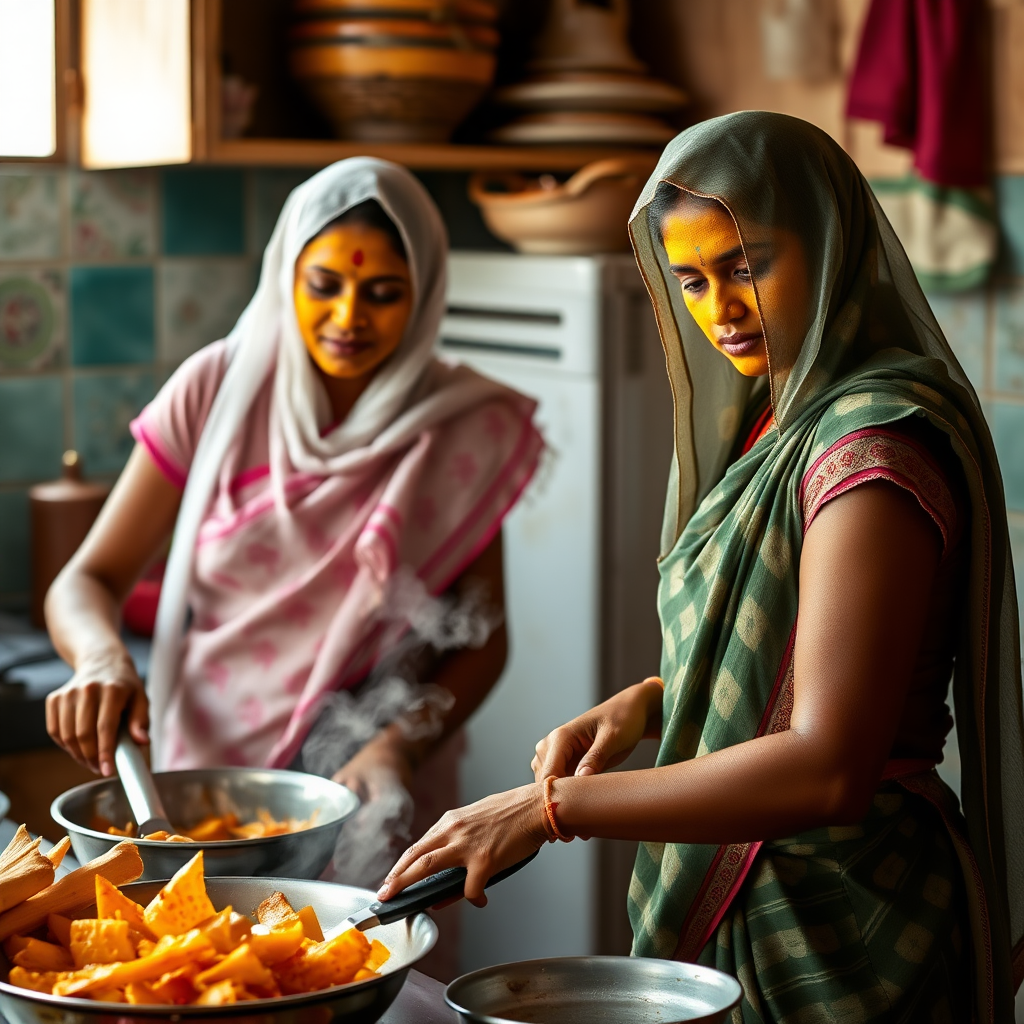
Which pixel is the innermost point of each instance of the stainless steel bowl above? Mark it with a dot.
(191, 795)
(360, 1002)
(594, 990)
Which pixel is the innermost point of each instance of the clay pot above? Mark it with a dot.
(587, 214)
(61, 514)
(393, 70)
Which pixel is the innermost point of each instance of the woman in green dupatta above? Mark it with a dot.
(795, 832)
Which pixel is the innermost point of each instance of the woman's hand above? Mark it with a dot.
(485, 837)
(600, 738)
(84, 715)
(381, 767)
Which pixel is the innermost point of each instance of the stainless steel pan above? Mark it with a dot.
(594, 990)
(189, 796)
(360, 1002)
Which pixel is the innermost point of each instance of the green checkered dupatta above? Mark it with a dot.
(872, 355)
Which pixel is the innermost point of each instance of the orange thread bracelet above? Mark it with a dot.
(549, 810)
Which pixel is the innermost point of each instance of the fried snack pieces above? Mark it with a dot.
(180, 951)
(24, 871)
(214, 829)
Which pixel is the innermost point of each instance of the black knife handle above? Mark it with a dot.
(445, 885)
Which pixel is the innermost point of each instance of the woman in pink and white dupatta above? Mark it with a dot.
(305, 509)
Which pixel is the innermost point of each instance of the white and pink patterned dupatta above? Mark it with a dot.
(286, 573)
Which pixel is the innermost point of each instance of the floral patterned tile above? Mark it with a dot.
(104, 405)
(33, 319)
(30, 226)
(113, 214)
(199, 302)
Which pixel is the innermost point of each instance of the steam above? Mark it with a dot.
(373, 839)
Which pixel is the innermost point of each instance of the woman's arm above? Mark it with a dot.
(82, 611)
(866, 571)
(467, 674)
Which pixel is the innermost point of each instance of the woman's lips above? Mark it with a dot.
(740, 344)
(338, 349)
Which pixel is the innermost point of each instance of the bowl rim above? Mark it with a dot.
(248, 1007)
(539, 963)
(57, 813)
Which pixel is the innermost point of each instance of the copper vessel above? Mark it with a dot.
(61, 514)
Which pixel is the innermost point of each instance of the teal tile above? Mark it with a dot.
(32, 428)
(104, 405)
(1017, 551)
(14, 540)
(1009, 338)
(962, 319)
(29, 214)
(112, 315)
(1007, 423)
(1010, 197)
(270, 188)
(203, 212)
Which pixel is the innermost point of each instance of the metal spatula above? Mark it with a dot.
(139, 788)
(445, 885)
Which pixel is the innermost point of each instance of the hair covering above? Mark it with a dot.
(408, 394)
(871, 354)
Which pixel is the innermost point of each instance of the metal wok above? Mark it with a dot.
(191, 795)
(594, 990)
(360, 1002)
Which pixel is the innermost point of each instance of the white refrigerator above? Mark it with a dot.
(579, 335)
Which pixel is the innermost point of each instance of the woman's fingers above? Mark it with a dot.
(86, 708)
(68, 733)
(107, 724)
(595, 760)
(138, 717)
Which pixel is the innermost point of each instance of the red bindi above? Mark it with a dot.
(357, 257)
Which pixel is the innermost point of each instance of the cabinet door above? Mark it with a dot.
(36, 77)
(136, 66)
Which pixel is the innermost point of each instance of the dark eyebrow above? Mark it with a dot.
(686, 268)
(374, 280)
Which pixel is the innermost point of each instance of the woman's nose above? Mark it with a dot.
(726, 307)
(345, 311)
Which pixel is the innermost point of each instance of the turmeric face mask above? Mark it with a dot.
(353, 296)
(708, 259)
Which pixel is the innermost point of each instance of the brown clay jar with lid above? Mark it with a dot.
(61, 514)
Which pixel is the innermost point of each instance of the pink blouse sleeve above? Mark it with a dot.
(881, 454)
(169, 427)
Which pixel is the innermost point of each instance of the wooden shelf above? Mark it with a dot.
(419, 156)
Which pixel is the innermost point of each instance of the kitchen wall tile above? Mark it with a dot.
(962, 319)
(31, 413)
(104, 405)
(112, 214)
(1007, 423)
(111, 315)
(270, 188)
(1010, 197)
(30, 227)
(14, 541)
(200, 300)
(1009, 338)
(203, 212)
(32, 318)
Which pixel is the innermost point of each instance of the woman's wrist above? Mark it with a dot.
(653, 690)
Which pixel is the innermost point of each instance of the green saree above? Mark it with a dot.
(841, 924)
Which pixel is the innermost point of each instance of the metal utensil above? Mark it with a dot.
(139, 788)
(360, 1002)
(189, 796)
(594, 990)
(445, 885)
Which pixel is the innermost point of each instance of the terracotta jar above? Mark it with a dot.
(61, 514)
